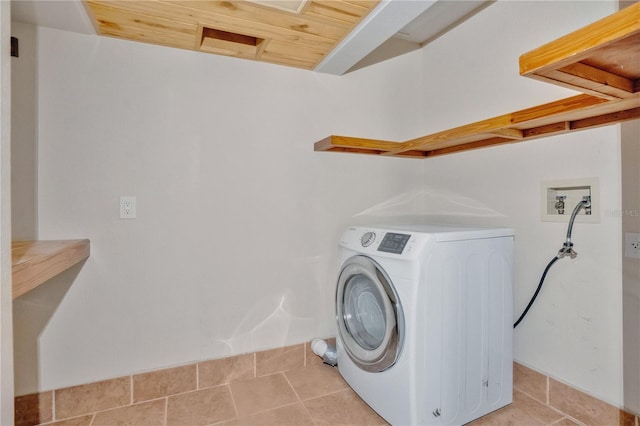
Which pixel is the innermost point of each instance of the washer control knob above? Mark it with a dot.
(367, 239)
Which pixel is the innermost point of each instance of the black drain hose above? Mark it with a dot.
(566, 250)
(544, 274)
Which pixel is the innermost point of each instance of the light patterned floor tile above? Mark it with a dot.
(317, 380)
(150, 413)
(202, 407)
(262, 393)
(290, 415)
(342, 408)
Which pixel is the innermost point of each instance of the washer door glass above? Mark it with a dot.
(370, 319)
(364, 312)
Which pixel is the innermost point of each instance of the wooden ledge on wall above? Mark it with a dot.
(564, 116)
(602, 59)
(35, 262)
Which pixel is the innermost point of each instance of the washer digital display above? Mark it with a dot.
(394, 243)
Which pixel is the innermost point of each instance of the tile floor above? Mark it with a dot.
(312, 395)
(287, 386)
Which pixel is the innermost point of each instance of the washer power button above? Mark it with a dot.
(367, 239)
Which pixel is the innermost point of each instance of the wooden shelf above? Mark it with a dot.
(564, 116)
(34, 262)
(602, 60)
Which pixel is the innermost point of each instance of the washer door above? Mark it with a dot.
(370, 319)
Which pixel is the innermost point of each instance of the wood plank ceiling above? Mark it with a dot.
(259, 30)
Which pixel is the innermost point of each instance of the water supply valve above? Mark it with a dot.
(558, 197)
(560, 203)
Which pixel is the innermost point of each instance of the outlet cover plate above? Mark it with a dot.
(127, 207)
(632, 245)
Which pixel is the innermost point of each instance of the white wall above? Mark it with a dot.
(573, 332)
(6, 323)
(234, 246)
(630, 213)
(23, 134)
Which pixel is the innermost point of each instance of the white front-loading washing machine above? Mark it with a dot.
(425, 321)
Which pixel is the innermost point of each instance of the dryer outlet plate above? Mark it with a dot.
(572, 190)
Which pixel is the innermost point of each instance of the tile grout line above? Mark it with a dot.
(131, 389)
(548, 401)
(233, 401)
(332, 393)
(197, 376)
(300, 401)
(291, 386)
(94, 414)
(562, 413)
(166, 410)
(567, 417)
(53, 405)
(304, 362)
(529, 395)
(264, 411)
(255, 367)
(573, 419)
(550, 407)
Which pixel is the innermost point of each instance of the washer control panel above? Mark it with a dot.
(382, 242)
(407, 242)
(394, 243)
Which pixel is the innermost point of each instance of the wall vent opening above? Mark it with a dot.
(231, 44)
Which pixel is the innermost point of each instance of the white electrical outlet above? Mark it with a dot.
(127, 207)
(632, 245)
